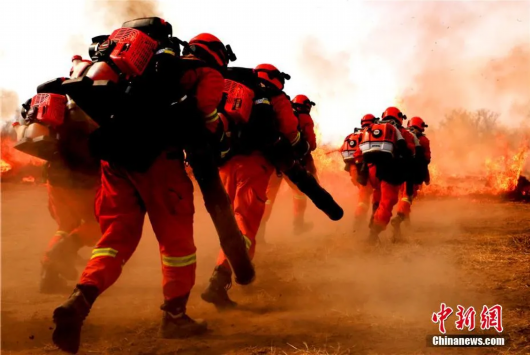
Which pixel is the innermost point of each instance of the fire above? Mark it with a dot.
(28, 179)
(4, 166)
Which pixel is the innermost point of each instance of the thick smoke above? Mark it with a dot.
(9, 104)
(112, 13)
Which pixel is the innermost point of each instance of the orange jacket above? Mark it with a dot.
(307, 128)
(286, 118)
(426, 144)
(209, 84)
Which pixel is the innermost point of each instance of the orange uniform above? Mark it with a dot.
(71, 197)
(287, 121)
(165, 192)
(350, 146)
(247, 176)
(306, 127)
(387, 194)
(247, 173)
(405, 204)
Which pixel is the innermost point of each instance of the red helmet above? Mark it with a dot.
(210, 49)
(367, 120)
(302, 103)
(418, 123)
(395, 113)
(270, 74)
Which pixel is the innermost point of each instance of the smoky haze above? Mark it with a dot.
(350, 57)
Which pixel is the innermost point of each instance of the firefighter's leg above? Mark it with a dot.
(273, 187)
(89, 232)
(221, 279)
(168, 195)
(58, 261)
(403, 210)
(389, 198)
(375, 183)
(249, 175)
(121, 216)
(299, 206)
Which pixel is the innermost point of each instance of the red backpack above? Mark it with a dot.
(379, 142)
(350, 146)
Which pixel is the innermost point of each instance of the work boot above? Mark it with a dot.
(69, 318)
(217, 290)
(374, 208)
(406, 222)
(396, 224)
(300, 226)
(176, 323)
(51, 282)
(63, 255)
(373, 237)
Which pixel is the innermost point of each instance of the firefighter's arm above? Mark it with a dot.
(308, 130)
(288, 123)
(208, 95)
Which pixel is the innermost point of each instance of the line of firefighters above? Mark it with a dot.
(123, 194)
(388, 181)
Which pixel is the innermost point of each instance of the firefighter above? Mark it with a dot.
(71, 197)
(165, 192)
(302, 110)
(247, 173)
(73, 179)
(348, 149)
(416, 126)
(386, 170)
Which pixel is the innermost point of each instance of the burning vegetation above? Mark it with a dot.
(473, 155)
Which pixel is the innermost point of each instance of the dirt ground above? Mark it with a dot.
(319, 293)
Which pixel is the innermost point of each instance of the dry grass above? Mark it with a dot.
(305, 349)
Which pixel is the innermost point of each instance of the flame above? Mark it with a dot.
(28, 179)
(4, 166)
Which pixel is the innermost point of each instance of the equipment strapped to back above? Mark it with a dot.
(379, 141)
(239, 101)
(350, 146)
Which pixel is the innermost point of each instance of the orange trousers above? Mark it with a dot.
(245, 178)
(365, 192)
(73, 211)
(165, 193)
(385, 195)
(405, 203)
(299, 198)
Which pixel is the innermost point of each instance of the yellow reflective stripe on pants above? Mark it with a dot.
(179, 261)
(268, 202)
(407, 200)
(104, 252)
(62, 233)
(248, 242)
